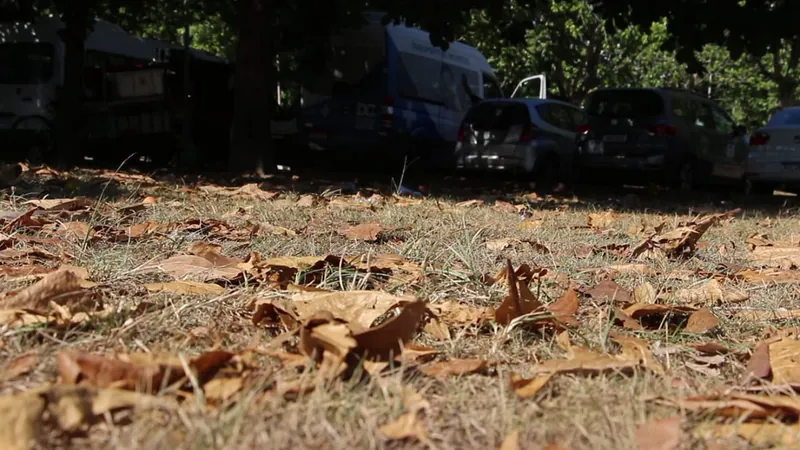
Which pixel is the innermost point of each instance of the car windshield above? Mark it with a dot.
(26, 62)
(625, 103)
(785, 118)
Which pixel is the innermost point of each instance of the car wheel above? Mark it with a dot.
(547, 172)
(753, 188)
(685, 176)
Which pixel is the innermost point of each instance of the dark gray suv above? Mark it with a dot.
(659, 134)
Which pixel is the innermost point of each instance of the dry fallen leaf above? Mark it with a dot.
(635, 353)
(364, 232)
(760, 435)
(769, 276)
(456, 367)
(61, 204)
(62, 287)
(511, 442)
(680, 242)
(186, 287)
(31, 416)
(18, 366)
(711, 293)
(601, 221)
(207, 266)
(661, 434)
(134, 371)
(410, 424)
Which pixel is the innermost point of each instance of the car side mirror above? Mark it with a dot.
(739, 130)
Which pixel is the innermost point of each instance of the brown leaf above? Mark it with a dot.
(456, 367)
(407, 426)
(711, 293)
(701, 321)
(740, 405)
(528, 387)
(497, 245)
(511, 442)
(608, 291)
(711, 348)
(134, 371)
(61, 204)
(364, 232)
(199, 268)
(635, 354)
(565, 307)
(62, 287)
(388, 338)
(654, 312)
(681, 241)
(454, 313)
(28, 416)
(359, 309)
(781, 257)
(644, 293)
(768, 276)
(760, 435)
(19, 366)
(661, 434)
(518, 302)
(601, 221)
(186, 287)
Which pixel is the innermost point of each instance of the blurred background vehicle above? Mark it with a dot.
(529, 136)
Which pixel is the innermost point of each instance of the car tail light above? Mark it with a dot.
(460, 137)
(583, 128)
(528, 133)
(661, 130)
(759, 139)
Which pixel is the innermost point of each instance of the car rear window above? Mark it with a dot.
(625, 103)
(785, 118)
(497, 115)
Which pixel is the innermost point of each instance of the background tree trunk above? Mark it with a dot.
(69, 111)
(251, 149)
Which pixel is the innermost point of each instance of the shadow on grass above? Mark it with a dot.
(109, 183)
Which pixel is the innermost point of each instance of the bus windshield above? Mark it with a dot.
(26, 62)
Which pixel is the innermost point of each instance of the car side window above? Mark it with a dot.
(562, 117)
(722, 122)
(491, 89)
(545, 113)
(704, 117)
(577, 116)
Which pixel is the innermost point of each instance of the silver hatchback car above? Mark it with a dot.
(531, 136)
(774, 158)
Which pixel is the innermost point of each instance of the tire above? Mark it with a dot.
(546, 173)
(758, 189)
(684, 177)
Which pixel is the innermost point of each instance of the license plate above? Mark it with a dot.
(615, 138)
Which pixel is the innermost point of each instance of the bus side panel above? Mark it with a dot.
(417, 100)
(344, 110)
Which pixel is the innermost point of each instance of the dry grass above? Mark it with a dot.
(470, 411)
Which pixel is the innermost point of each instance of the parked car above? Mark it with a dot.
(662, 134)
(531, 136)
(774, 158)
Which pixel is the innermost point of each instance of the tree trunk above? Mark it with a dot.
(787, 92)
(69, 122)
(251, 149)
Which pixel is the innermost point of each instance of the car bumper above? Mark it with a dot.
(489, 161)
(773, 171)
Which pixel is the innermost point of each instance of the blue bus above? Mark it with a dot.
(388, 94)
